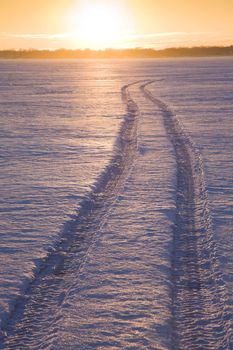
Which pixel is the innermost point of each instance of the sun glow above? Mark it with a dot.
(101, 24)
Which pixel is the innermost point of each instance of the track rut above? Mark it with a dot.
(201, 315)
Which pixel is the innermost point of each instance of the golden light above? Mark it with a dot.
(100, 24)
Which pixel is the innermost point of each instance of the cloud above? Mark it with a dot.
(155, 35)
(167, 39)
(71, 35)
(169, 34)
(150, 40)
(40, 36)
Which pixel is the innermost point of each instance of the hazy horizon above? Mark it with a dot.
(136, 48)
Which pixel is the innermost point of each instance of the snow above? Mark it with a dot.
(113, 282)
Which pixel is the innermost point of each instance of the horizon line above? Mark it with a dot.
(117, 49)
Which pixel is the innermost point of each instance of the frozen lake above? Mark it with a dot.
(116, 204)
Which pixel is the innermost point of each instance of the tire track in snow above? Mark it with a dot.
(201, 314)
(32, 324)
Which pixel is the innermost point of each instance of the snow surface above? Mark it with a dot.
(115, 286)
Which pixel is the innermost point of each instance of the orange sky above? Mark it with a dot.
(114, 23)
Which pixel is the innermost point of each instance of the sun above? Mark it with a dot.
(101, 24)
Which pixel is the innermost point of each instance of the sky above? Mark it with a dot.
(99, 24)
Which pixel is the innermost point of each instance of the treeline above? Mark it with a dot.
(115, 53)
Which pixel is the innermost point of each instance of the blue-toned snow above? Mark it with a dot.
(59, 124)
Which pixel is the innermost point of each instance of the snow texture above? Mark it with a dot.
(116, 204)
